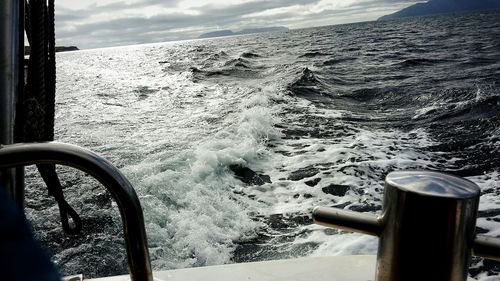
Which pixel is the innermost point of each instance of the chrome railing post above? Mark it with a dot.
(429, 222)
(426, 229)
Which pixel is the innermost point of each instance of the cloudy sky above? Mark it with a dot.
(105, 23)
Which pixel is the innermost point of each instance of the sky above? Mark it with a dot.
(106, 23)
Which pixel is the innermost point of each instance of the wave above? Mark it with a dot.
(307, 78)
(459, 104)
(307, 85)
(238, 63)
(338, 60)
(486, 108)
(249, 55)
(144, 91)
(365, 94)
(195, 202)
(465, 121)
(419, 62)
(313, 54)
(392, 99)
(233, 67)
(217, 56)
(479, 61)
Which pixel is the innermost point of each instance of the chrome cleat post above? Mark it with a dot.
(426, 229)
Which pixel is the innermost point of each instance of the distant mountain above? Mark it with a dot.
(263, 29)
(434, 7)
(218, 33)
(227, 32)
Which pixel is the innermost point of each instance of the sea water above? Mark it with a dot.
(231, 142)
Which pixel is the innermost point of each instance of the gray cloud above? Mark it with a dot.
(75, 27)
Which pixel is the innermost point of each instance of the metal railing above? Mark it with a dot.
(17, 155)
(426, 229)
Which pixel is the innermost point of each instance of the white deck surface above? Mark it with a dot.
(339, 268)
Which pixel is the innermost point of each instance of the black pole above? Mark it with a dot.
(11, 85)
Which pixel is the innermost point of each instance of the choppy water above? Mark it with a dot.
(325, 113)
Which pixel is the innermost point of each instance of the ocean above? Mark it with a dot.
(230, 142)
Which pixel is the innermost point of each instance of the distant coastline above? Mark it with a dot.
(436, 7)
(27, 49)
(228, 32)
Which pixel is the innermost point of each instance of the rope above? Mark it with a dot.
(39, 99)
(49, 176)
(35, 96)
(27, 21)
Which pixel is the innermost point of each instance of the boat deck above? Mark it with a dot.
(338, 268)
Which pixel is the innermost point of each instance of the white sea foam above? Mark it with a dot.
(193, 218)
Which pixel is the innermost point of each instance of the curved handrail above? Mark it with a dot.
(24, 154)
